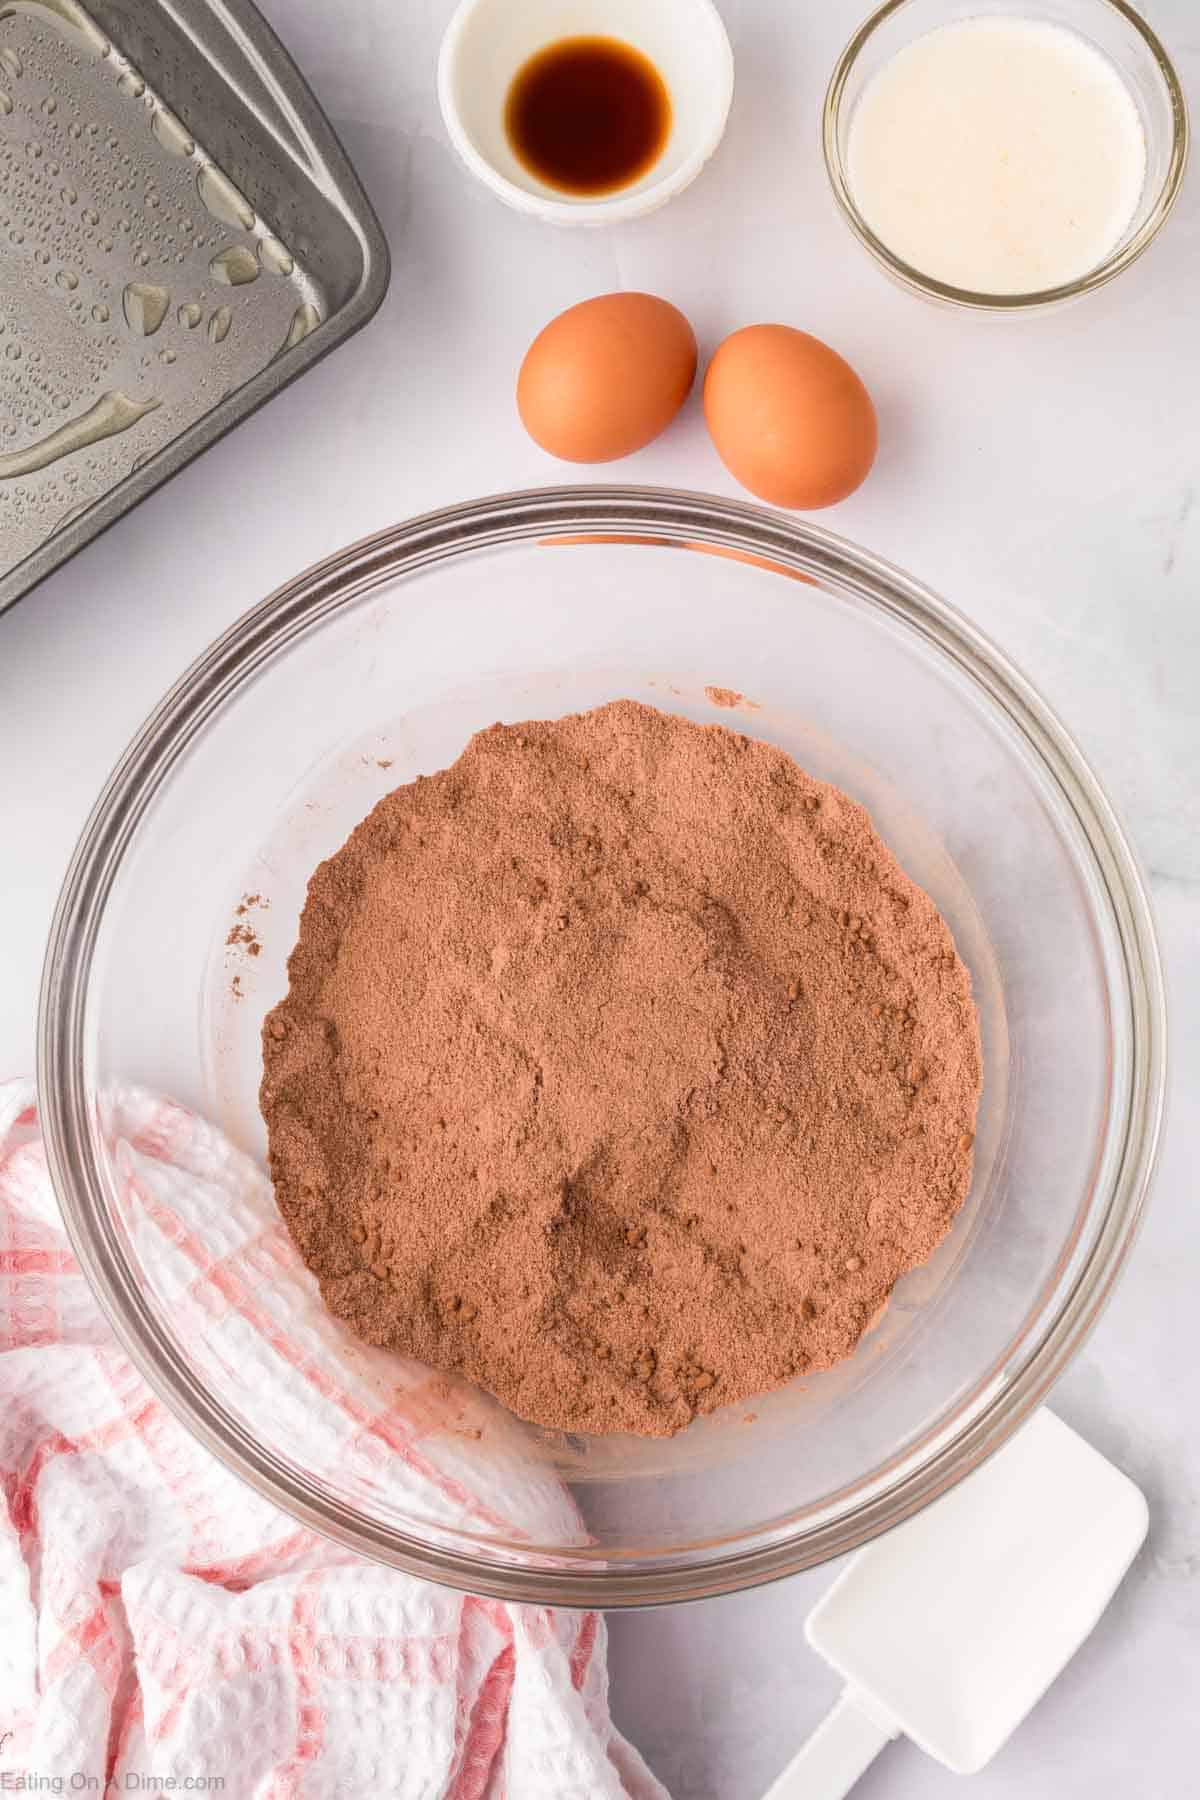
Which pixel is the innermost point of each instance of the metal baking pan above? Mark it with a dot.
(181, 234)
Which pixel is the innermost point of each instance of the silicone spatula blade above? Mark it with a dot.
(952, 1626)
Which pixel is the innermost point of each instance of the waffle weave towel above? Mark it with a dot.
(162, 1628)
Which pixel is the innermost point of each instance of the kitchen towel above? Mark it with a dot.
(165, 1629)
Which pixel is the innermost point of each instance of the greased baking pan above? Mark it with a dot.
(181, 235)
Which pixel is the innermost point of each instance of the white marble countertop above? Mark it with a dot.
(1042, 474)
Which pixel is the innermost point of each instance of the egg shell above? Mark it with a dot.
(606, 377)
(789, 417)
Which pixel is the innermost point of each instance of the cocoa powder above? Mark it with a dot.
(621, 1069)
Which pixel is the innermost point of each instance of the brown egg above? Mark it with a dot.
(789, 417)
(606, 377)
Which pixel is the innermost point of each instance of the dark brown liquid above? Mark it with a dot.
(588, 115)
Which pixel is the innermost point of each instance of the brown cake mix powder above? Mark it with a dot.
(622, 1069)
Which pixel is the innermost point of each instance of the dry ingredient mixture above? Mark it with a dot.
(622, 1069)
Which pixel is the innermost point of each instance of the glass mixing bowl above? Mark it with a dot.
(375, 667)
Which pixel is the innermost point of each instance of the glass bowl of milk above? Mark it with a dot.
(1005, 156)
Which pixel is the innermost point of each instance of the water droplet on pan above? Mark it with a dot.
(234, 267)
(305, 319)
(171, 134)
(189, 314)
(275, 257)
(68, 13)
(111, 413)
(145, 306)
(222, 199)
(218, 325)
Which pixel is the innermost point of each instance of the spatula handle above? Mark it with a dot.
(843, 1745)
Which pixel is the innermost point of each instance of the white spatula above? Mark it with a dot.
(951, 1626)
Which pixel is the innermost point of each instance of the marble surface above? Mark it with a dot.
(1043, 474)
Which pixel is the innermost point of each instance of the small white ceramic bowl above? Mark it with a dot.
(488, 41)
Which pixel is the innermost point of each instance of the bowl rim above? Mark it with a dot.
(955, 1443)
(911, 277)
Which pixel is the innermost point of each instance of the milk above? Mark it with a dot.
(1000, 154)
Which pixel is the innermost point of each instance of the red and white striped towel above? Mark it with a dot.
(162, 1627)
